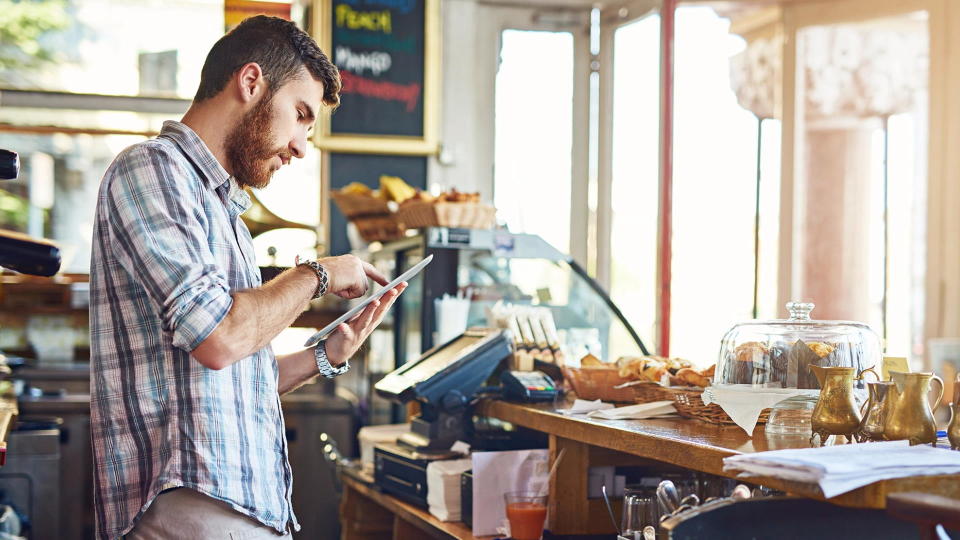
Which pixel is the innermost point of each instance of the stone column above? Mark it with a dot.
(853, 76)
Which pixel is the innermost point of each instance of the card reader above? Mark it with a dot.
(528, 386)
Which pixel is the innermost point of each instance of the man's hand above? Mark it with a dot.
(348, 337)
(347, 275)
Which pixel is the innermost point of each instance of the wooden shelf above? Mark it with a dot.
(423, 521)
(701, 447)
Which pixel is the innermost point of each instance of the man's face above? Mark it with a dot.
(274, 131)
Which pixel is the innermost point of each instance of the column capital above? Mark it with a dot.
(849, 70)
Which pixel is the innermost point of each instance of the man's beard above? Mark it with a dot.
(248, 146)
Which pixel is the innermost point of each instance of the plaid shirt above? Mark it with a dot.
(168, 248)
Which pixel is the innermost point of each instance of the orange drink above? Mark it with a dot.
(526, 513)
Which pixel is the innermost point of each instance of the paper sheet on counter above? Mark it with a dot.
(496, 473)
(842, 468)
(655, 409)
(583, 406)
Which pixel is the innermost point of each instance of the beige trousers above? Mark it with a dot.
(187, 514)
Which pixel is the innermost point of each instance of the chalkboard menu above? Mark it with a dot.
(367, 169)
(386, 51)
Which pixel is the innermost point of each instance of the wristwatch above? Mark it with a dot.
(323, 363)
(322, 278)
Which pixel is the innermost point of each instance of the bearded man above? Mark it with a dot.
(188, 436)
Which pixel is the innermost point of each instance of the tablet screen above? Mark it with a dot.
(406, 276)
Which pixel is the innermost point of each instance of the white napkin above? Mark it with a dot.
(744, 403)
(582, 406)
(443, 487)
(842, 468)
(655, 409)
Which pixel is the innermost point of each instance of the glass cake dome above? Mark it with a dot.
(778, 353)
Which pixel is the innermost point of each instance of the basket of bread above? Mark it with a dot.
(449, 209)
(373, 212)
(634, 379)
(385, 214)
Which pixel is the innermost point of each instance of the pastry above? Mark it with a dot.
(691, 377)
(749, 355)
(823, 350)
(779, 364)
(676, 364)
(356, 188)
(590, 361)
(654, 371)
(455, 196)
(393, 188)
(631, 367)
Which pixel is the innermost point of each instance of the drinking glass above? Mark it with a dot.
(639, 512)
(526, 512)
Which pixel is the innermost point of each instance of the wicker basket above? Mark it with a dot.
(650, 392)
(468, 215)
(353, 205)
(598, 383)
(689, 403)
(383, 228)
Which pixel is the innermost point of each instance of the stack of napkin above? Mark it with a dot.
(842, 468)
(443, 487)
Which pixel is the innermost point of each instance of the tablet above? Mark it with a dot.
(328, 329)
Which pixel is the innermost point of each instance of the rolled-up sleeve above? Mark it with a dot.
(159, 232)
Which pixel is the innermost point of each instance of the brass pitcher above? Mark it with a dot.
(953, 429)
(908, 414)
(871, 427)
(836, 412)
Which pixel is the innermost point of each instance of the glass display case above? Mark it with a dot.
(484, 267)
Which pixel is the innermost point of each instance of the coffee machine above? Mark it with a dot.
(20, 252)
(29, 483)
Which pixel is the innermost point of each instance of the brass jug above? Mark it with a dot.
(836, 412)
(953, 429)
(908, 414)
(871, 427)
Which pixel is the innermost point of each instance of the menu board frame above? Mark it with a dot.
(425, 144)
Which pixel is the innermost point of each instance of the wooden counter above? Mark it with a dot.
(686, 443)
(367, 513)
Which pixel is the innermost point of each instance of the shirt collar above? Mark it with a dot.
(197, 151)
(239, 196)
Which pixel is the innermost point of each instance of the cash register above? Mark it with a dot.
(444, 381)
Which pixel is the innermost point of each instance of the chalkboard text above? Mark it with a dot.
(400, 6)
(377, 21)
(376, 61)
(408, 94)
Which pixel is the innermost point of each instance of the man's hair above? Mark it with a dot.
(279, 47)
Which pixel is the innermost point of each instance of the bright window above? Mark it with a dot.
(534, 133)
(714, 196)
(636, 134)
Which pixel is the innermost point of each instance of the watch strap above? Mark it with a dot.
(323, 279)
(323, 363)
